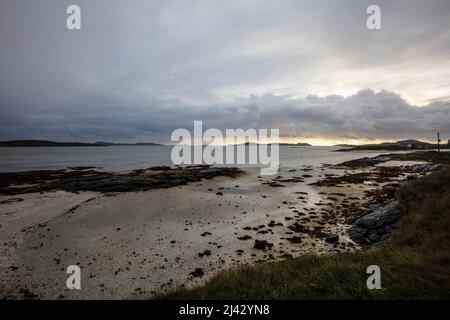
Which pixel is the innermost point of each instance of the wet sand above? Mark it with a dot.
(138, 244)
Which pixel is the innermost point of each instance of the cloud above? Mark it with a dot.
(365, 115)
(136, 71)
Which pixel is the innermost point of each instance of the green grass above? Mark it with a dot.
(414, 265)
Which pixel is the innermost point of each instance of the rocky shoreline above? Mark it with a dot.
(383, 216)
(157, 239)
(86, 179)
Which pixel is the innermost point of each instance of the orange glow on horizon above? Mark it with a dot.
(314, 141)
(331, 141)
(334, 141)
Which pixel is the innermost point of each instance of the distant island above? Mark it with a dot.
(45, 143)
(102, 143)
(300, 144)
(280, 144)
(410, 144)
(344, 145)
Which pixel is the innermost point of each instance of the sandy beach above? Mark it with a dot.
(140, 244)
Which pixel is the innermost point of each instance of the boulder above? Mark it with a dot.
(377, 226)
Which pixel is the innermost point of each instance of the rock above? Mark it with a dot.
(106, 182)
(204, 253)
(377, 226)
(365, 162)
(390, 193)
(274, 224)
(198, 273)
(11, 200)
(295, 239)
(423, 168)
(334, 238)
(262, 245)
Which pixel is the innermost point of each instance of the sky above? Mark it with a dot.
(139, 69)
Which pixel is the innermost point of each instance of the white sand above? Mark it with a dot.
(133, 245)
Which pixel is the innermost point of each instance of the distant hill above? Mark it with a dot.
(45, 143)
(102, 143)
(300, 144)
(281, 144)
(409, 144)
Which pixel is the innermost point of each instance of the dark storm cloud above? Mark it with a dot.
(367, 114)
(139, 69)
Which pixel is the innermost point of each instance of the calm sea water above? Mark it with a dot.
(126, 158)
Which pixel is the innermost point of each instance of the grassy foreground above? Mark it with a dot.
(414, 265)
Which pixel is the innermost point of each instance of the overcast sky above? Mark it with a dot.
(139, 69)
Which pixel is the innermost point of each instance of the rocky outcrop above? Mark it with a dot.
(365, 162)
(91, 180)
(384, 218)
(422, 168)
(378, 225)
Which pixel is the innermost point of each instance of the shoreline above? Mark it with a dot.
(415, 257)
(253, 219)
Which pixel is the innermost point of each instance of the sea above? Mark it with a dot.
(128, 158)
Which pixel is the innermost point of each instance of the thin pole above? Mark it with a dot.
(439, 141)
